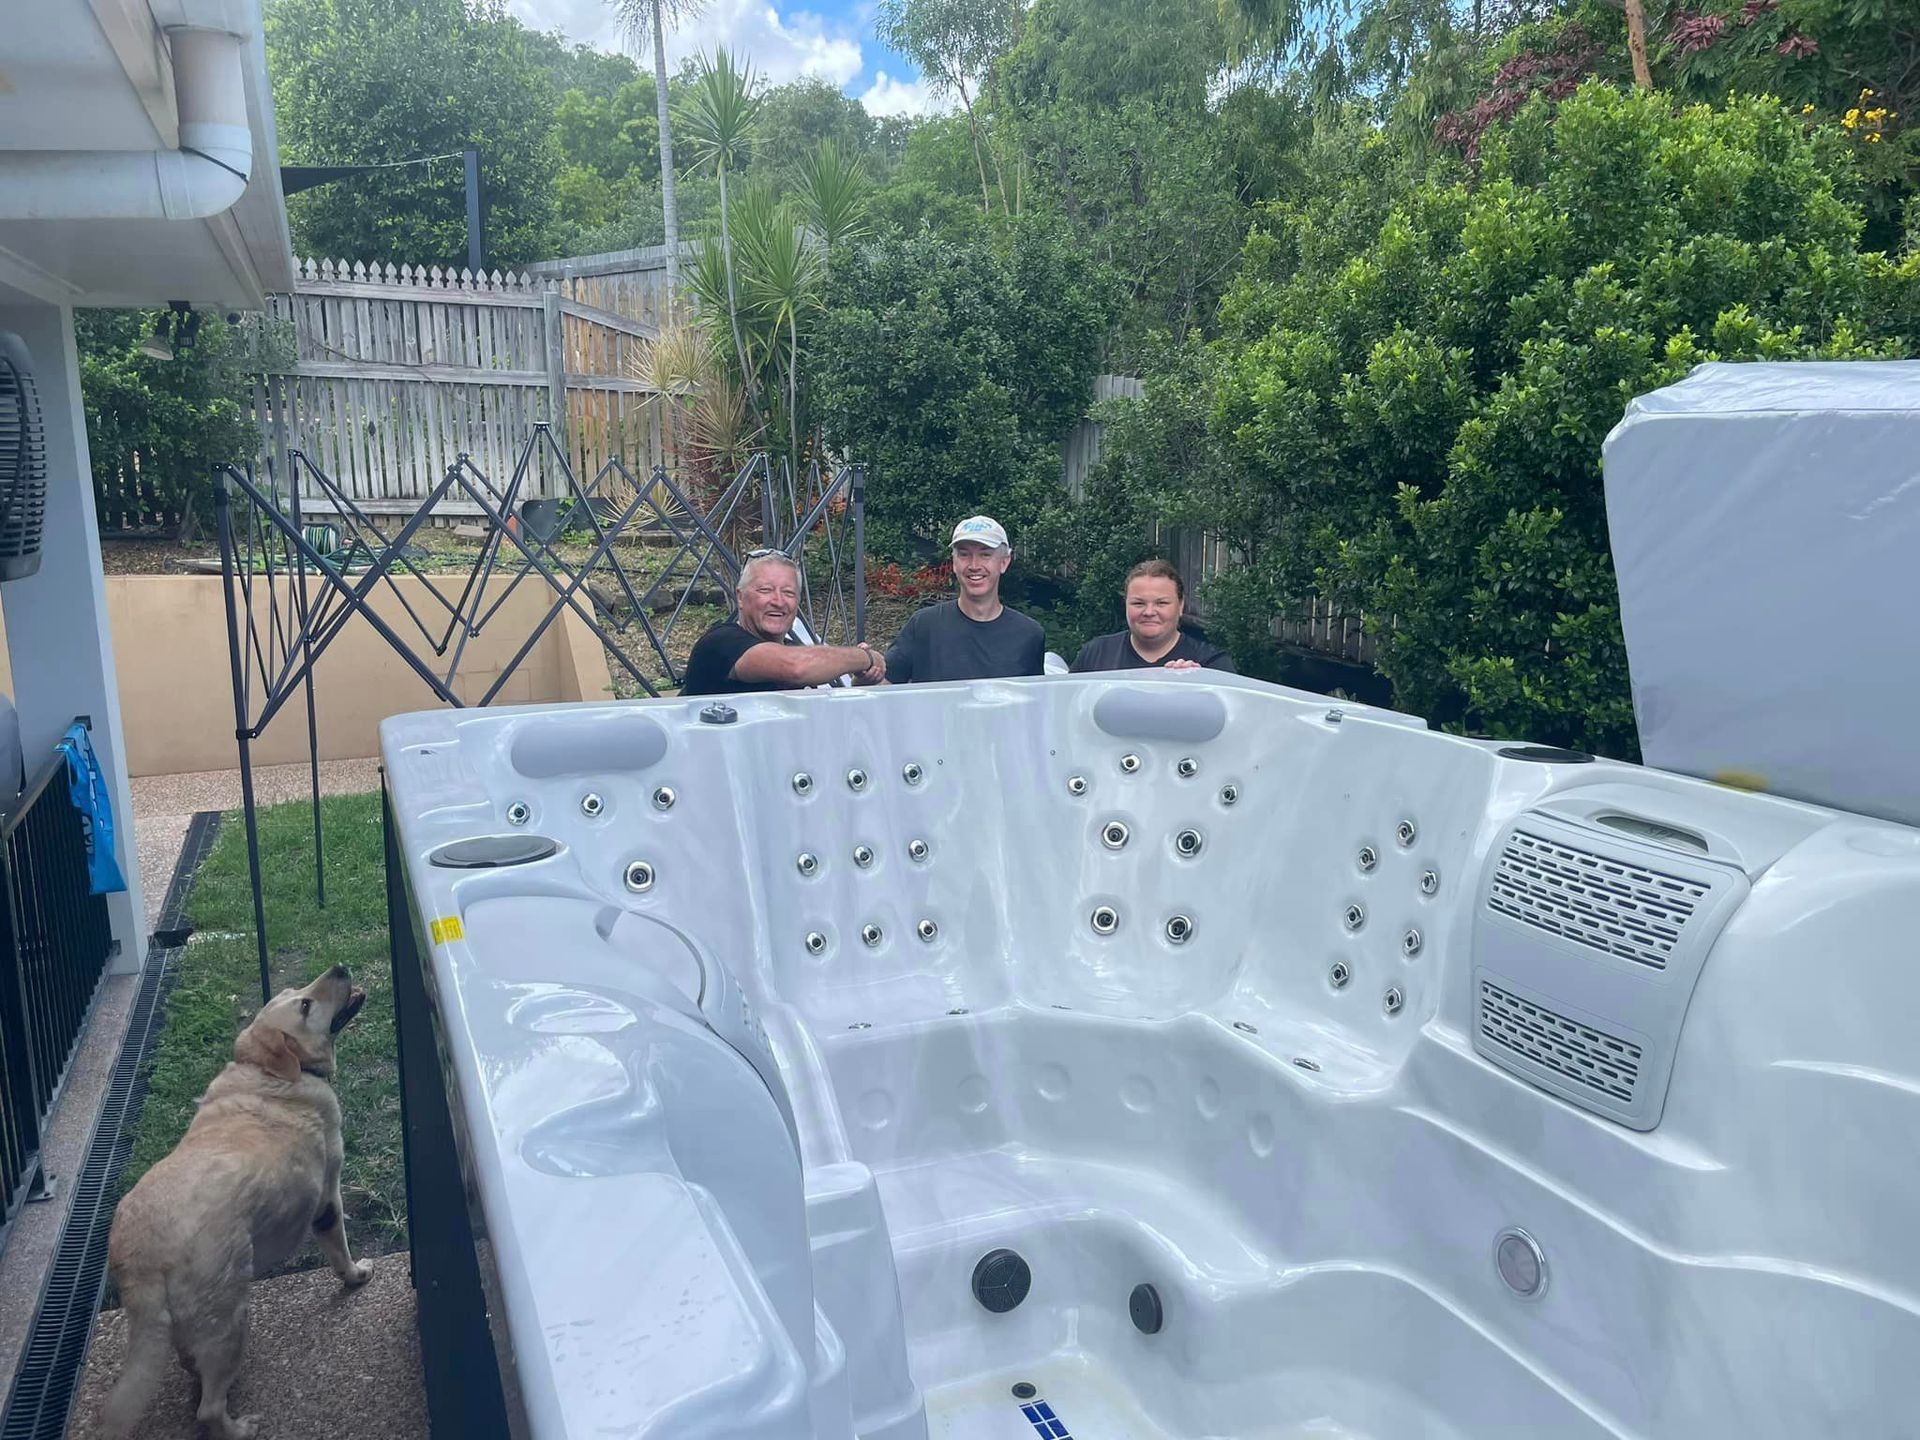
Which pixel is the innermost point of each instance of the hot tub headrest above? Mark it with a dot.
(547, 746)
(1161, 711)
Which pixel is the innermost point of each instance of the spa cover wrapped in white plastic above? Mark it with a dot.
(1765, 521)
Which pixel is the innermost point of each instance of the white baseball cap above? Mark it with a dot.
(980, 530)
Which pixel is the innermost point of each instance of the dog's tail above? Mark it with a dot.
(149, 1346)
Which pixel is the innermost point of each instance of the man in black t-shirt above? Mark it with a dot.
(973, 636)
(754, 651)
(1156, 597)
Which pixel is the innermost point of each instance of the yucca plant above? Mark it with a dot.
(700, 395)
(721, 120)
(834, 194)
(783, 273)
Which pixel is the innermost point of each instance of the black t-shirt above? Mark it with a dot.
(710, 666)
(1116, 652)
(942, 642)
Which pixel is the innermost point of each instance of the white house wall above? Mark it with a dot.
(61, 647)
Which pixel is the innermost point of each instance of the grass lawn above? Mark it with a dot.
(219, 989)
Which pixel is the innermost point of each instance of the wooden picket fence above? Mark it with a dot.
(627, 282)
(394, 371)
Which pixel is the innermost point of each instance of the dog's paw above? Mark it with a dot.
(361, 1272)
(244, 1427)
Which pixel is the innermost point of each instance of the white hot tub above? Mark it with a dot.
(1298, 1070)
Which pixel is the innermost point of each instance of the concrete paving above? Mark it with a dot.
(322, 1363)
(161, 795)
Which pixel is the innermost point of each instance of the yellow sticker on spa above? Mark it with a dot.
(446, 928)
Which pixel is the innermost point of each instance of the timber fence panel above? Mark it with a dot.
(398, 370)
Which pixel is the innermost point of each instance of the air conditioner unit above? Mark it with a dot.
(1593, 925)
(23, 462)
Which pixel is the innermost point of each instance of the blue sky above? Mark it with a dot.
(833, 39)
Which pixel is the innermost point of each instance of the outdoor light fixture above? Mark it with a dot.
(159, 345)
(178, 326)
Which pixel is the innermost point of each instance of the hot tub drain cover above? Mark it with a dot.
(1144, 1306)
(1001, 1281)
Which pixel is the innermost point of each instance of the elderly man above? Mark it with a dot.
(754, 651)
(973, 636)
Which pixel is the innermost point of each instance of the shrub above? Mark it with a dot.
(158, 427)
(955, 368)
(1411, 423)
(890, 582)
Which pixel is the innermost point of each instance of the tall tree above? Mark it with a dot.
(955, 42)
(1111, 104)
(648, 20)
(1637, 44)
(377, 81)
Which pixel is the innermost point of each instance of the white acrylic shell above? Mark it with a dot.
(1314, 1180)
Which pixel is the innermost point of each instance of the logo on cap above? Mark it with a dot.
(981, 530)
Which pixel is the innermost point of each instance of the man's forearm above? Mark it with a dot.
(802, 664)
(829, 662)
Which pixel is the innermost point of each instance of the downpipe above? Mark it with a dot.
(203, 178)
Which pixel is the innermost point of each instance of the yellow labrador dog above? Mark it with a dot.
(256, 1172)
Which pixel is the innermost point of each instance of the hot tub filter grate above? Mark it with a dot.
(1001, 1281)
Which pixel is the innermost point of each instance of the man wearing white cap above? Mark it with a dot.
(972, 636)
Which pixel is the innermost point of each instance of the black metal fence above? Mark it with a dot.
(55, 942)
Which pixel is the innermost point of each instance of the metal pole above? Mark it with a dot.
(313, 724)
(859, 552)
(473, 210)
(223, 508)
(769, 537)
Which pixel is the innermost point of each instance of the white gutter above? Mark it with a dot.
(204, 177)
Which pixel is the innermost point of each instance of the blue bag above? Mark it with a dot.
(87, 788)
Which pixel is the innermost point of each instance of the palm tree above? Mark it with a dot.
(645, 20)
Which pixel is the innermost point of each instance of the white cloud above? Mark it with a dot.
(588, 22)
(781, 48)
(888, 96)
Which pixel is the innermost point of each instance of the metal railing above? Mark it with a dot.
(55, 944)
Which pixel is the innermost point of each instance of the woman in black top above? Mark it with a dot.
(1153, 639)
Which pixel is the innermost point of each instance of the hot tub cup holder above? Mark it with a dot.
(492, 852)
